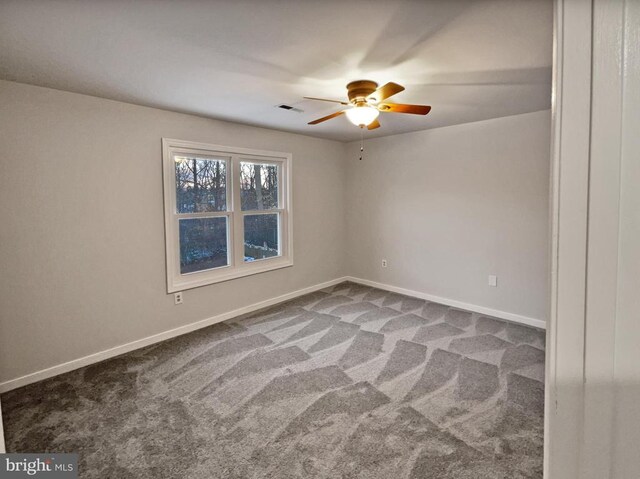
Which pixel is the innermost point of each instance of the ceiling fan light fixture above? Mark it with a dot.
(366, 101)
(362, 115)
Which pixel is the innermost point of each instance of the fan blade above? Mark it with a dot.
(324, 99)
(400, 108)
(325, 118)
(373, 125)
(384, 92)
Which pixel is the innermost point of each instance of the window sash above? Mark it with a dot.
(236, 266)
(200, 156)
(279, 215)
(279, 174)
(187, 216)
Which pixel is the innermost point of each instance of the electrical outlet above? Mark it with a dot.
(384, 263)
(493, 280)
(177, 297)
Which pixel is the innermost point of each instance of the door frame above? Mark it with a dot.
(587, 121)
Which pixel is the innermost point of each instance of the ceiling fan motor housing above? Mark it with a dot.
(359, 90)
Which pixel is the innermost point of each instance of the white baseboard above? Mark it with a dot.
(172, 333)
(516, 318)
(156, 338)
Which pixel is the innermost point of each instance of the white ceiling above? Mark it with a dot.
(237, 60)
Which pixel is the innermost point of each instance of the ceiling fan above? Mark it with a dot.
(366, 101)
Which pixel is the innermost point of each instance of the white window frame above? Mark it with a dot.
(236, 267)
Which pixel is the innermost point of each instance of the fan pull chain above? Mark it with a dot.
(361, 142)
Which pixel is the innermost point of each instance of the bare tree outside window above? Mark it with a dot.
(201, 185)
(259, 192)
(258, 186)
(203, 244)
(226, 212)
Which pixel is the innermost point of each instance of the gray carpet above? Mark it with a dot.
(351, 382)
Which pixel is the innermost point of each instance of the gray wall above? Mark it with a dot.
(82, 240)
(450, 206)
(82, 254)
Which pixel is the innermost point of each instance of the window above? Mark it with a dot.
(227, 212)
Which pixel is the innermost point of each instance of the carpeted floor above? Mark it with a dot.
(351, 382)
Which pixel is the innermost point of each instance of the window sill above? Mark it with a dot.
(197, 280)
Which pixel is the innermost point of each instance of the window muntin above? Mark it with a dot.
(227, 213)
